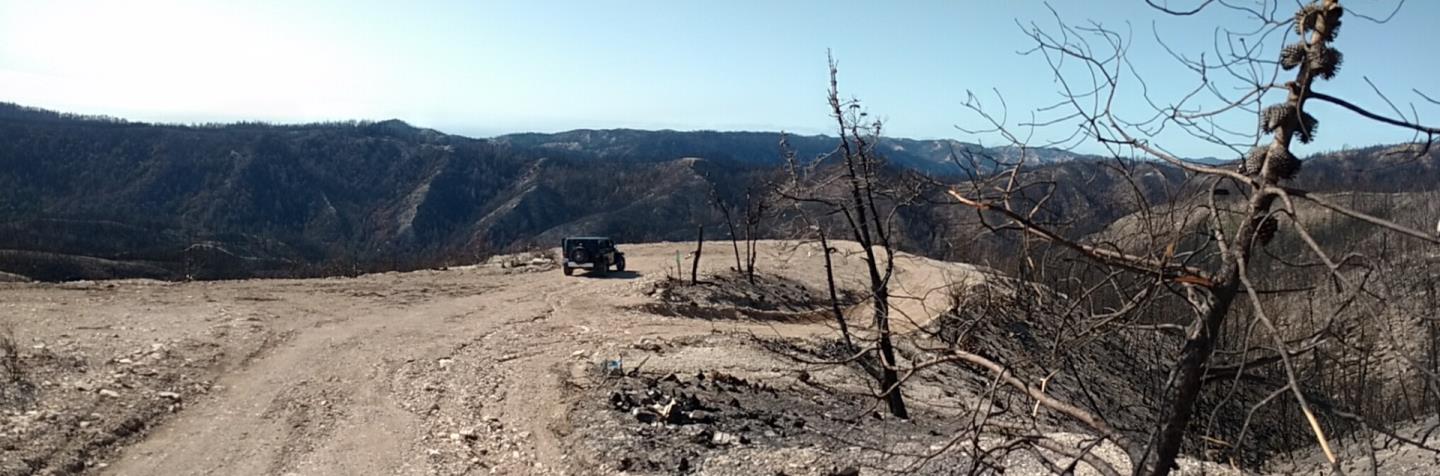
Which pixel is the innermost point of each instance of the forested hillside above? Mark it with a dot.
(93, 197)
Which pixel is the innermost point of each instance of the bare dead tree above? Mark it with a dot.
(757, 209)
(725, 208)
(870, 229)
(853, 190)
(1231, 333)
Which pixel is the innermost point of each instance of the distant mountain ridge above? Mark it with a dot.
(91, 197)
(761, 148)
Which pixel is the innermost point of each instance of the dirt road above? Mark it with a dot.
(454, 371)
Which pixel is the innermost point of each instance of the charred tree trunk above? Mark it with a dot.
(889, 374)
(750, 253)
(699, 246)
(1191, 366)
(749, 269)
(734, 237)
(756, 207)
(834, 297)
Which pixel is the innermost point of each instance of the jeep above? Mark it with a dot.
(596, 253)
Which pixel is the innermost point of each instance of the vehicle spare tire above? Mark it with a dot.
(579, 255)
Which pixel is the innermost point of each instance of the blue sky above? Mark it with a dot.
(482, 68)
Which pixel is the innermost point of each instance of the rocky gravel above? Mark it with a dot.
(83, 394)
(505, 367)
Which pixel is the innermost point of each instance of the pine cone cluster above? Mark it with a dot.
(1320, 61)
(1285, 116)
(1283, 164)
(1319, 58)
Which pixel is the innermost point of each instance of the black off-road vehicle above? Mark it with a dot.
(596, 253)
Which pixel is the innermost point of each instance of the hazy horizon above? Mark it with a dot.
(488, 69)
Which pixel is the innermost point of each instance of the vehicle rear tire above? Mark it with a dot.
(568, 270)
(579, 255)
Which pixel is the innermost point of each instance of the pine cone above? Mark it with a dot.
(1283, 164)
(1292, 56)
(1317, 17)
(1254, 161)
(1275, 116)
(1331, 22)
(1307, 17)
(1283, 115)
(1307, 127)
(1323, 60)
(1266, 231)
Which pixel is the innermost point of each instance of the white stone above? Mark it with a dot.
(723, 438)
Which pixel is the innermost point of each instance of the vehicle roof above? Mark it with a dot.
(587, 238)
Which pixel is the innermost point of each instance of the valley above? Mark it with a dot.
(456, 238)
